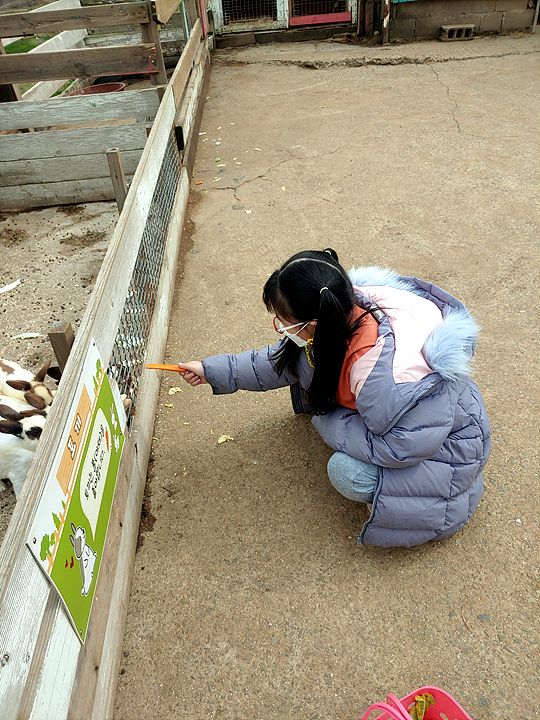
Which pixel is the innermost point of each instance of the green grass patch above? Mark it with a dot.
(23, 87)
(63, 88)
(25, 44)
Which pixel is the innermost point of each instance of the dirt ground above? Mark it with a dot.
(56, 253)
(250, 598)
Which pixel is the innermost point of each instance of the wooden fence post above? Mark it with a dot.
(61, 337)
(114, 158)
(150, 34)
(385, 20)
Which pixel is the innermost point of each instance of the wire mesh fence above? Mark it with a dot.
(238, 11)
(129, 352)
(300, 8)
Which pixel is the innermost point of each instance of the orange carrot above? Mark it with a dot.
(160, 366)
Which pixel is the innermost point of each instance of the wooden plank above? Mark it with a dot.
(53, 614)
(183, 69)
(361, 19)
(137, 104)
(84, 62)
(53, 21)
(186, 111)
(369, 17)
(188, 158)
(93, 692)
(165, 9)
(50, 702)
(56, 193)
(118, 179)
(19, 622)
(170, 37)
(56, 169)
(65, 143)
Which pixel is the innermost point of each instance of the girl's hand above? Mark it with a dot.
(194, 374)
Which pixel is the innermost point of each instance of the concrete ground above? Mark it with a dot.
(250, 597)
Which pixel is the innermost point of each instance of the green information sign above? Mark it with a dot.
(70, 526)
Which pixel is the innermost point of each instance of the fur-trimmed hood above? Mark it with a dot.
(449, 347)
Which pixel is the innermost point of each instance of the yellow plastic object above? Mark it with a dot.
(417, 710)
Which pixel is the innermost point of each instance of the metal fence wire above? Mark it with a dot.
(318, 7)
(129, 351)
(239, 11)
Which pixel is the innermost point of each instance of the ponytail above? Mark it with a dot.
(332, 336)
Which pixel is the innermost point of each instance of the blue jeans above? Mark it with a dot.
(354, 479)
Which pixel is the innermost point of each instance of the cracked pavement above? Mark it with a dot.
(250, 599)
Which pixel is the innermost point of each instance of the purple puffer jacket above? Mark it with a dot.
(418, 415)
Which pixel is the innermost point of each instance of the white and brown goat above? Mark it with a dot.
(24, 405)
(19, 383)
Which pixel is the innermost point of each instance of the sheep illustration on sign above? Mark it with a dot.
(85, 555)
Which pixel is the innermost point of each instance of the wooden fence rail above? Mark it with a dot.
(79, 167)
(84, 62)
(139, 105)
(69, 143)
(45, 673)
(53, 21)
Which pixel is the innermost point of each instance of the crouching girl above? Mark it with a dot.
(382, 363)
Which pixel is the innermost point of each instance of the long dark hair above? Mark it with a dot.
(312, 285)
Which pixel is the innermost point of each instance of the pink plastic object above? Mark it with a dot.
(389, 712)
(445, 707)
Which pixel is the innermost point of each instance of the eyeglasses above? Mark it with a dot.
(281, 329)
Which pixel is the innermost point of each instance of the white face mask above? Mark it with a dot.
(292, 336)
(296, 339)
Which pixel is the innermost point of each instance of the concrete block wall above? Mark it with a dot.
(422, 19)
